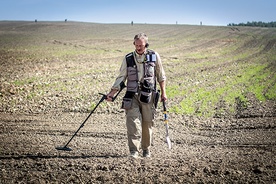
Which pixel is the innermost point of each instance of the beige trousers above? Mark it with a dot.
(139, 122)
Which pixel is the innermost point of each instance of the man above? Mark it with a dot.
(142, 69)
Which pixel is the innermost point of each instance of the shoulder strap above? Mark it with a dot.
(151, 56)
(150, 51)
(130, 60)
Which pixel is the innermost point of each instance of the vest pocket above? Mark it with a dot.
(132, 87)
(149, 69)
(132, 73)
(132, 84)
(126, 104)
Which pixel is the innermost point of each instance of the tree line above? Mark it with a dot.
(255, 24)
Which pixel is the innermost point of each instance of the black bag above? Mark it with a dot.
(156, 96)
(144, 96)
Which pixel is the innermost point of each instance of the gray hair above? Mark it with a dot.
(141, 36)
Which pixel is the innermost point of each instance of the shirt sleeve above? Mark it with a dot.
(121, 76)
(160, 73)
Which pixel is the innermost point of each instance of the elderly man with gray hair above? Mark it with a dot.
(142, 69)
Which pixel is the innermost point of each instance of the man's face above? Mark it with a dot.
(140, 46)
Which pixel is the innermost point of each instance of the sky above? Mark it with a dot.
(209, 12)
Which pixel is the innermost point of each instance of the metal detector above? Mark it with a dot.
(65, 148)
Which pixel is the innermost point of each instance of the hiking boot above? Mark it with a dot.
(134, 154)
(146, 153)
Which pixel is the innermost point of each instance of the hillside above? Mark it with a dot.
(221, 98)
(212, 71)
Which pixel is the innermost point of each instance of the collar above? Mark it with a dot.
(140, 58)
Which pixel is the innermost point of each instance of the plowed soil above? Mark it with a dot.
(203, 150)
(44, 100)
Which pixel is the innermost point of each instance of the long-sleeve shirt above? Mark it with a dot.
(139, 59)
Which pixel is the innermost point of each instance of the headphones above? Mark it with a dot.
(143, 36)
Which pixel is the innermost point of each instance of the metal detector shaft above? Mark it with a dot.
(122, 86)
(102, 99)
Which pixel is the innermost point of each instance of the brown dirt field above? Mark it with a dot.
(203, 150)
(50, 77)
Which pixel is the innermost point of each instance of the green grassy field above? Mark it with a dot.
(212, 71)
